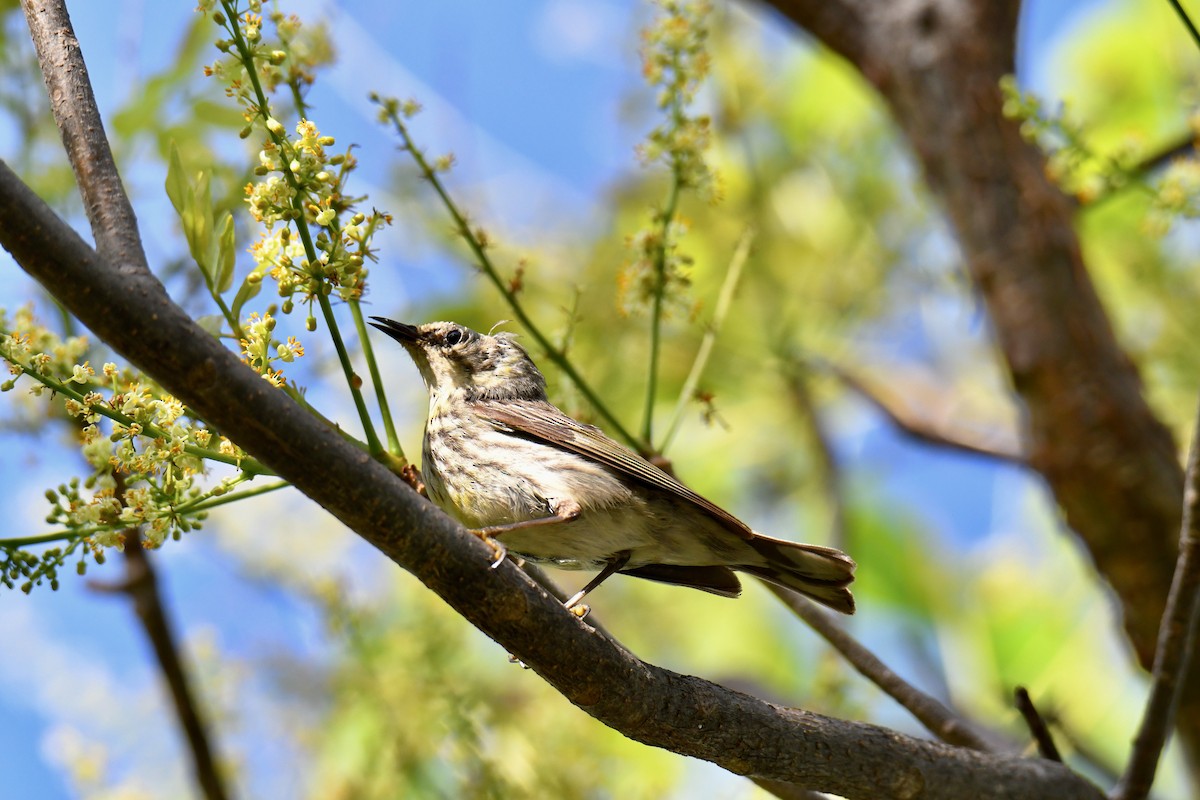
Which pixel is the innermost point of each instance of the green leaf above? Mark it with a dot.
(198, 228)
(248, 290)
(226, 244)
(211, 323)
(177, 186)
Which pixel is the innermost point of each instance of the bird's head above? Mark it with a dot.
(455, 360)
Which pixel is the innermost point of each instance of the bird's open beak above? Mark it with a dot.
(402, 333)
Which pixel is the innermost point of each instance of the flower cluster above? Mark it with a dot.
(1070, 161)
(1176, 195)
(289, 59)
(638, 283)
(1075, 166)
(144, 448)
(312, 242)
(675, 61)
(260, 350)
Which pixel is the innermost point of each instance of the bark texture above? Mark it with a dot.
(1110, 463)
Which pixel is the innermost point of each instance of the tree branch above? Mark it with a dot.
(1037, 726)
(687, 715)
(109, 211)
(936, 717)
(1175, 640)
(937, 432)
(829, 473)
(1110, 462)
(141, 585)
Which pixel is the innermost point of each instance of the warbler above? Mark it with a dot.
(508, 464)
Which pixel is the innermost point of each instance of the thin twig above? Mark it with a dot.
(829, 473)
(141, 585)
(1187, 21)
(935, 716)
(1037, 726)
(1183, 145)
(1172, 655)
(925, 430)
(364, 341)
(733, 276)
(665, 218)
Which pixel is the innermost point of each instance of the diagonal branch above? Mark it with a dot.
(1176, 637)
(652, 705)
(141, 585)
(1037, 726)
(928, 426)
(78, 118)
(929, 711)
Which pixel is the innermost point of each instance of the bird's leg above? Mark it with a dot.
(614, 565)
(563, 511)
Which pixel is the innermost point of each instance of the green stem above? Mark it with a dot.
(389, 427)
(660, 287)
(373, 444)
(299, 195)
(47, 538)
(193, 507)
(660, 258)
(741, 254)
(234, 324)
(206, 503)
(556, 356)
(246, 464)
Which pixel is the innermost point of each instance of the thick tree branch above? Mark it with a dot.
(1109, 461)
(687, 715)
(1175, 643)
(74, 105)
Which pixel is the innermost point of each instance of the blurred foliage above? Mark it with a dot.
(850, 263)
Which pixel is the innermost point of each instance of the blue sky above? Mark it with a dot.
(529, 95)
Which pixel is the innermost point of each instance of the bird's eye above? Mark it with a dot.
(453, 337)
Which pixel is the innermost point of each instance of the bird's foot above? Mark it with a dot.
(499, 551)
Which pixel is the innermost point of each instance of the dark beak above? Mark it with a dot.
(402, 333)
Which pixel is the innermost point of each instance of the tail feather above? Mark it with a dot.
(822, 573)
(714, 579)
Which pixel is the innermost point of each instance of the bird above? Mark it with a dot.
(530, 480)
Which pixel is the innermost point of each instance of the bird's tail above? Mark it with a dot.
(822, 573)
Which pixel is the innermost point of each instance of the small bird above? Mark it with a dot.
(504, 461)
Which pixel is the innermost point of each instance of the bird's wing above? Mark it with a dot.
(543, 421)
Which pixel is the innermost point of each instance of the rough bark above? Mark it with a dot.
(1109, 461)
